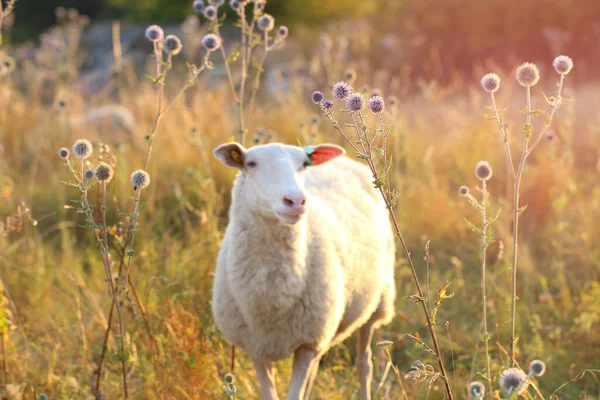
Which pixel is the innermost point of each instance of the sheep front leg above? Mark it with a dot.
(364, 364)
(304, 359)
(264, 371)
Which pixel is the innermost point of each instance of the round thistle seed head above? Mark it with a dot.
(216, 3)
(463, 190)
(259, 6)
(341, 90)
(563, 64)
(211, 42)
(317, 97)
(104, 172)
(42, 396)
(63, 153)
(476, 390)
(283, 32)
(537, 368)
(483, 170)
(83, 148)
(229, 379)
(140, 179)
(88, 174)
(210, 13)
(490, 82)
(514, 378)
(376, 104)
(198, 6)
(528, 75)
(355, 102)
(173, 45)
(266, 23)
(234, 4)
(327, 105)
(155, 33)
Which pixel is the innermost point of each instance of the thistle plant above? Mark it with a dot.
(258, 30)
(370, 145)
(483, 172)
(228, 387)
(527, 76)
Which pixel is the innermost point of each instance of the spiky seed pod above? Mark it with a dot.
(42, 396)
(283, 32)
(476, 390)
(104, 172)
(234, 4)
(82, 148)
(173, 45)
(266, 23)
(355, 102)
(483, 170)
(63, 153)
(537, 368)
(317, 97)
(350, 75)
(514, 378)
(376, 104)
(210, 13)
(463, 190)
(155, 33)
(140, 179)
(327, 105)
(229, 379)
(211, 42)
(341, 90)
(563, 64)
(528, 75)
(259, 6)
(216, 3)
(490, 82)
(88, 174)
(199, 6)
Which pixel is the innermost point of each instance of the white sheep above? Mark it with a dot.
(306, 260)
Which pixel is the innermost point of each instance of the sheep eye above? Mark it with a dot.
(305, 165)
(251, 164)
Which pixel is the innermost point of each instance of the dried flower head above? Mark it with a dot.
(229, 379)
(259, 6)
(88, 174)
(476, 390)
(211, 42)
(483, 170)
(283, 32)
(317, 97)
(537, 368)
(563, 64)
(198, 6)
(234, 4)
(463, 190)
(173, 45)
(266, 23)
(327, 105)
(83, 148)
(514, 378)
(376, 104)
(216, 3)
(140, 179)
(355, 102)
(490, 82)
(104, 172)
(210, 13)
(155, 33)
(341, 90)
(63, 153)
(528, 75)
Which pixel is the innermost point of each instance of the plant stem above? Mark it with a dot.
(484, 245)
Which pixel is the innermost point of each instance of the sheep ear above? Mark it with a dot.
(231, 154)
(323, 153)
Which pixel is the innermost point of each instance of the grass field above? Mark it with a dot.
(55, 298)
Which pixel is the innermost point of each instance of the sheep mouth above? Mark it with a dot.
(289, 218)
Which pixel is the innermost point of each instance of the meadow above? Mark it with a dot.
(55, 297)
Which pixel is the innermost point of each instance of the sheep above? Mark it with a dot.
(307, 259)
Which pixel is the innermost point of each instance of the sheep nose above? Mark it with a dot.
(294, 201)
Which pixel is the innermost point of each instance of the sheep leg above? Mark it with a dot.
(312, 374)
(364, 364)
(264, 371)
(304, 359)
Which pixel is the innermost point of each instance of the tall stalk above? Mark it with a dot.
(484, 245)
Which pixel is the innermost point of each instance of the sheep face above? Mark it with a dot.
(274, 175)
